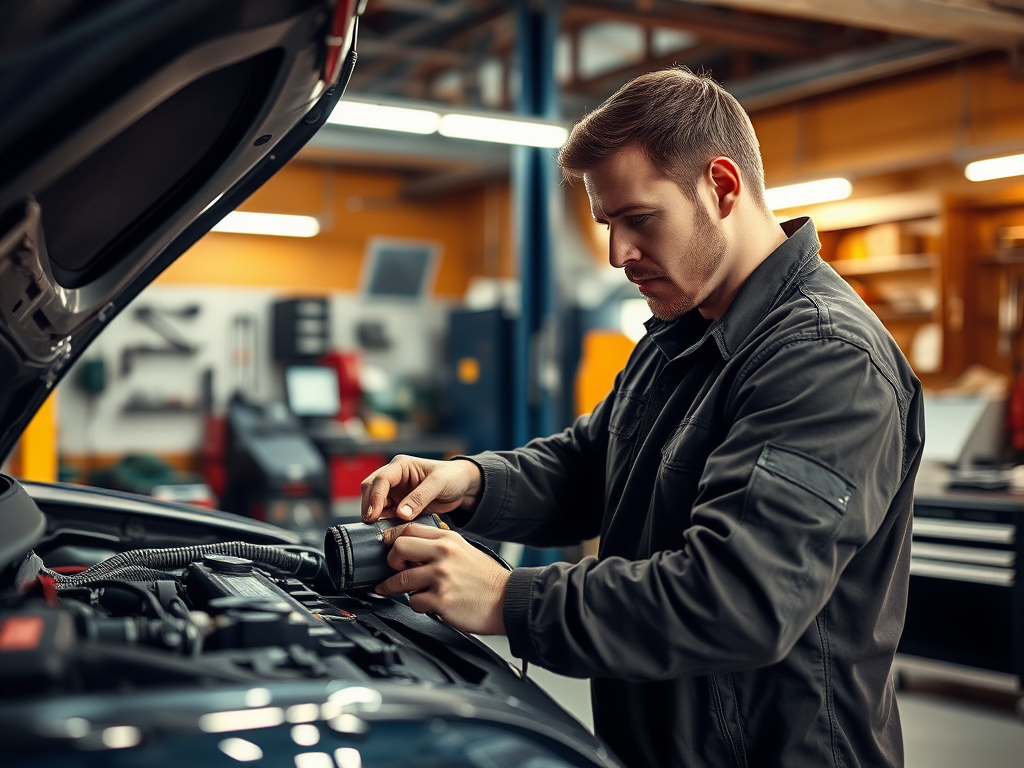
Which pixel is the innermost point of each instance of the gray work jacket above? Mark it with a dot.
(752, 484)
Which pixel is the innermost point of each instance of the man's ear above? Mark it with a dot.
(725, 182)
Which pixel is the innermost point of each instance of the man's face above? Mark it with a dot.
(668, 244)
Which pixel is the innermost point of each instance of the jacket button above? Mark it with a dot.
(666, 388)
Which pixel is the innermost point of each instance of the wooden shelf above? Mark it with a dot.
(877, 265)
(890, 315)
(1004, 257)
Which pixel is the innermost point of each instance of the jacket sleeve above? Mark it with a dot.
(549, 493)
(800, 483)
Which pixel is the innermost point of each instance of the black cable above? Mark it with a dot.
(489, 552)
(152, 564)
(498, 558)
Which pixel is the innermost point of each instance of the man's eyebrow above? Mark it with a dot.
(626, 208)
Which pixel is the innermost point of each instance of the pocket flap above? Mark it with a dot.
(626, 414)
(809, 474)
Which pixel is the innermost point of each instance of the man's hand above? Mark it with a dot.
(408, 487)
(446, 575)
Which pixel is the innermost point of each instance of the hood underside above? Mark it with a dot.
(127, 130)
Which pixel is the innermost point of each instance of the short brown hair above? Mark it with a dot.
(678, 119)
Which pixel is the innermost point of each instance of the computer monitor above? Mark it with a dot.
(963, 430)
(399, 269)
(312, 391)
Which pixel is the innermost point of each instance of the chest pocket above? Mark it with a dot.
(676, 489)
(627, 412)
(688, 448)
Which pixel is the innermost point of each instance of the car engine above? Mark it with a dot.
(229, 612)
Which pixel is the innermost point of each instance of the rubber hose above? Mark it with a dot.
(131, 563)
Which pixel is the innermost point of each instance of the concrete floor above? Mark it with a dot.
(969, 724)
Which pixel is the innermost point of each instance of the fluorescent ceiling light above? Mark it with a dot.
(995, 168)
(533, 133)
(364, 115)
(808, 193)
(280, 224)
(502, 130)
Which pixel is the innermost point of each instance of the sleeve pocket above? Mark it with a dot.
(812, 476)
(793, 509)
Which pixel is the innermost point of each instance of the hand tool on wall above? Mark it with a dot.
(157, 320)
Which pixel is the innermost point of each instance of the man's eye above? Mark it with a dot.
(636, 221)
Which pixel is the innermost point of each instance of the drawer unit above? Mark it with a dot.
(966, 602)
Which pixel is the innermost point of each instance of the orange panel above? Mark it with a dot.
(605, 353)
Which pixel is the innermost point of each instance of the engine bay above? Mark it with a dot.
(135, 631)
(78, 616)
(217, 616)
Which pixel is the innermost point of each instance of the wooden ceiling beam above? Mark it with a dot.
(604, 84)
(447, 11)
(964, 20)
(416, 33)
(405, 52)
(735, 32)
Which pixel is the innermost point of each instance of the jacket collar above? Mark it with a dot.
(756, 297)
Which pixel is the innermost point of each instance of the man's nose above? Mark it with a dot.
(621, 249)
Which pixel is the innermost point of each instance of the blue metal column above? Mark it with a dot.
(534, 186)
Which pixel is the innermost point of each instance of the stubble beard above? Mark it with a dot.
(707, 247)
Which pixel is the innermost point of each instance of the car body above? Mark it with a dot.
(128, 128)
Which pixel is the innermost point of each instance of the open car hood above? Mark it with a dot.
(128, 129)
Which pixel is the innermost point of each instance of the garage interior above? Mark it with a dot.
(437, 290)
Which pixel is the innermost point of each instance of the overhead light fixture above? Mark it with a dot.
(478, 127)
(387, 118)
(502, 130)
(278, 224)
(807, 193)
(995, 168)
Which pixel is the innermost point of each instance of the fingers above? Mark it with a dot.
(391, 535)
(421, 481)
(413, 547)
(409, 551)
(376, 489)
(411, 580)
(432, 486)
(423, 598)
(445, 575)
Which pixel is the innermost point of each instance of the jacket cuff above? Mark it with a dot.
(516, 612)
(494, 495)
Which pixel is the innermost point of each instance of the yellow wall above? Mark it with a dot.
(353, 206)
(37, 449)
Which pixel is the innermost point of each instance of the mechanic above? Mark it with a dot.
(750, 475)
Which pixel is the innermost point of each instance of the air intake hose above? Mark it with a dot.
(357, 557)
